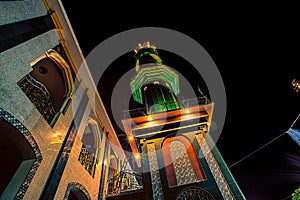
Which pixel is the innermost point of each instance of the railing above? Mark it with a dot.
(157, 108)
(124, 182)
(39, 96)
(87, 160)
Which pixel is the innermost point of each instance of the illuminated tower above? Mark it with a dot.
(170, 139)
(155, 85)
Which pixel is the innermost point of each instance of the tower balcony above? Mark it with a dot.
(160, 108)
(193, 115)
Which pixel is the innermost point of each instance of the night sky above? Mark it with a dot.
(257, 58)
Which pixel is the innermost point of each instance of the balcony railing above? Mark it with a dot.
(87, 160)
(39, 96)
(123, 183)
(158, 108)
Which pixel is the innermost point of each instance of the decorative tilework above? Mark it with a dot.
(214, 168)
(39, 96)
(154, 172)
(38, 156)
(182, 165)
(75, 185)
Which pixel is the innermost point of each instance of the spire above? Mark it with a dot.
(146, 50)
(155, 85)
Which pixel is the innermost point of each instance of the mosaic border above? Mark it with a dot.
(77, 186)
(38, 156)
(154, 172)
(214, 168)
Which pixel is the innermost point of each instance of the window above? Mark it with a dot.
(90, 150)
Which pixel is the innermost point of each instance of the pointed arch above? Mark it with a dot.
(63, 66)
(92, 136)
(113, 166)
(91, 142)
(113, 171)
(49, 86)
(179, 155)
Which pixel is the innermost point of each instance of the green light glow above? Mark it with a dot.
(151, 74)
(145, 51)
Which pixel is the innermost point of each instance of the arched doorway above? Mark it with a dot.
(76, 194)
(20, 157)
(76, 191)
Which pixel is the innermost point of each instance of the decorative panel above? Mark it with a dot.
(182, 165)
(154, 172)
(214, 168)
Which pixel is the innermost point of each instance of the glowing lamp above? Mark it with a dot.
(57, 138)
(137, 156)
(130, 138)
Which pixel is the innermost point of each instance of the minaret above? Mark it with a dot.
(155, 85)
(171, 142)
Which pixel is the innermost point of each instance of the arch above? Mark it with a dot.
(92, 136)
(49, 86)
(63, 66)
(113, 167)
(194, 193)
(18, 141)
(90, 150)
(112, 175)
(170, 148)
(76, 191)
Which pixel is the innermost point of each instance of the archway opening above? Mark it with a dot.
(17, 157)
(77, 194)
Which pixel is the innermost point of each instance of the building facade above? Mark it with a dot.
(57, 141)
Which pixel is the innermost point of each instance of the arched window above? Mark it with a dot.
(113, 167)
(90, 150)
(181, 162)
(49, 86)
(112, 176)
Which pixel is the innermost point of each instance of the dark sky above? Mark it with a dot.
(257, 54)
